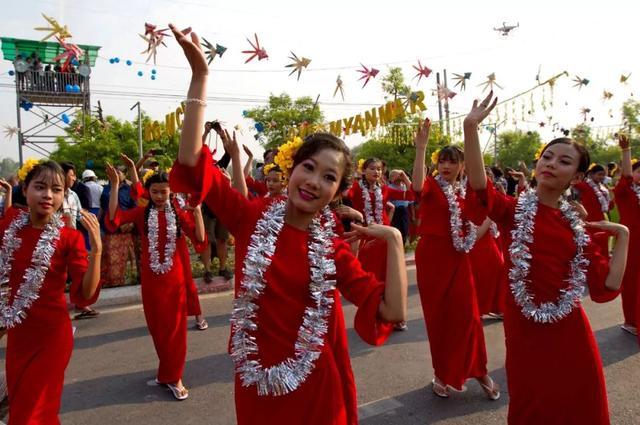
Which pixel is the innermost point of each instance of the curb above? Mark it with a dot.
(130, 294)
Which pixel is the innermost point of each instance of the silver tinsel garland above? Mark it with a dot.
(522, 235)
(460, 243)
(493, 228)
(366, 196)
(170, 245)
(28, 292)
(289, 374)
(602, 193)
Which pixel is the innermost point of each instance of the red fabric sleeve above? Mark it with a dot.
(623, 187)
(122, 217)
(363, 290)
(205, 182)
(137, 191)
(399, 195)
(500, 208)
(195, 181)
(6, 220)
(188, 226)
(77, 265)
(260, 188)
(597, 273)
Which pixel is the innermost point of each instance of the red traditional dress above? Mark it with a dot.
(628, 201)
(39, 348)
(164, 296)
(257, 186)
(373, 252)
(328, 395)
(447, 294)
(487, 265)
(595, 211)
(554, 370)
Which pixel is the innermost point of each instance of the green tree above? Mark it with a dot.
(8, 167)
(104, 143)
(283, 114)
(631, 114)
(516, 145)
(601, 150)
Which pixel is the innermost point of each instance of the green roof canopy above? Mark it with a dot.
(46, 50)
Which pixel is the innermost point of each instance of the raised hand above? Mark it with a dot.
(422, 136)
(128, 161)
(112, 174)
(344, 211)
(247, 151)
(192, 50)
(230, 143)
(377, 231)
(480, 111)
(6, 185)
(91, 224)
(623, 141)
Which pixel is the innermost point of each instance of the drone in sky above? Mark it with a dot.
(505, 29)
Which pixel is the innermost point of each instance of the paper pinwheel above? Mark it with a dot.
(624, 78)
(367, 74)
(584, 112)
(607, 95)
(56, 30)
(154, 39)
(298, 64)
(339, 87)
(10, 131)
(71, 52)
(445, 93)
(423, 71)
(212, 51)
(580, 82)
(491, 81)
(461, 80)
(258, 51)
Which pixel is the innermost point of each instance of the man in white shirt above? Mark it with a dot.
(95, 190)
(71, 205)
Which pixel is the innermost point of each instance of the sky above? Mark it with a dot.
(594, 41)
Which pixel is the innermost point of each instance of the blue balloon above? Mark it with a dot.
(65, 119)
(117, 60)
(68, 88)
(153, 71)
(245, 113)
(153, 77)
(90, 164)
(12, 72)
(76, 88)
(75, 62)
(259, 127)
(140, 73)
(129, 63)
(112, 61)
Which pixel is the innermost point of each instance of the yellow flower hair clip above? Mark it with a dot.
(361, 162)
(434, 156)
(284, 157)
(267, 168)
(146, 176)
(538, 153)
(27, 167)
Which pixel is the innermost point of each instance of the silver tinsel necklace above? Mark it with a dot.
(289, 374)
(522, 234)
(366, 197)
(601, 193)
(460, 243)
(636, 188)
(13, 314)
(170, 245)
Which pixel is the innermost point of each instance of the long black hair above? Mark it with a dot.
(159, 177)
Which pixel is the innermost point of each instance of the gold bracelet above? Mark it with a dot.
(626, 149)
(195, 100)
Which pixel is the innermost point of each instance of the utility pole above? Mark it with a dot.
(439, 99)
(446, 104)
(139, 129)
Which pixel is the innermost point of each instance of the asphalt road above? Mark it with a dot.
(113, 360)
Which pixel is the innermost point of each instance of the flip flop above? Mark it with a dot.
(86, 314)
(631, 329)
(179, 393)
(202, 325)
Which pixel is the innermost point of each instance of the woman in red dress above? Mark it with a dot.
(595, 198)
(369, 196)
(487, 265)
(288, 339)
(627, 194)
(554, 370)
(37, 255)
(445, 280)
(165, 271)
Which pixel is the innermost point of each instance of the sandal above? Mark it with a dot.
(400, 326)
(202, 325)
(492, 391)
(86, 314)
(179, 393)
(631, 329)
(439, 389)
